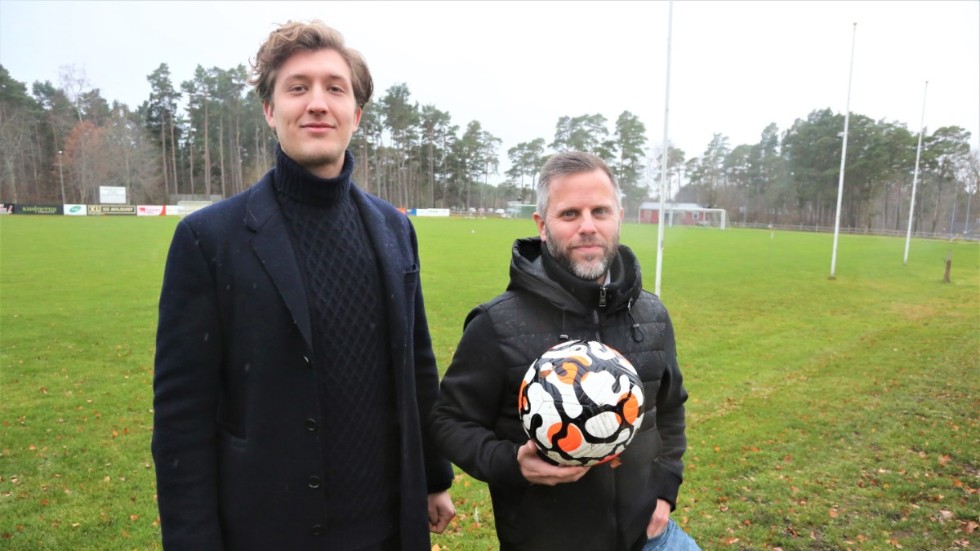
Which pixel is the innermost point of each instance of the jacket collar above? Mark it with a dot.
(261, 204)
(271, 244)
(528, 271)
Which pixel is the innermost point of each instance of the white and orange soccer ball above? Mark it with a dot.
(581, 402)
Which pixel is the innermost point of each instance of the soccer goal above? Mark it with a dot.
(683, 214)
(712, 218)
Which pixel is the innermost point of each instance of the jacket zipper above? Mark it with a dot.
(595, 312)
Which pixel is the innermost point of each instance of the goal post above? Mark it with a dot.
(683, 214)
(714, 218)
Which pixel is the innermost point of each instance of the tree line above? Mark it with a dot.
(207, 136)
(793, 177)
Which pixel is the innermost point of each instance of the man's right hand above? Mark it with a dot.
(539, 471)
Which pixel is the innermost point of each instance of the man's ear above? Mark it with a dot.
(357, 118)
(540, 222)
(268, 111)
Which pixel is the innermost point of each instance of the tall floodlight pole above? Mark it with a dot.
(915, 174)
(664, 154)
(843, 157)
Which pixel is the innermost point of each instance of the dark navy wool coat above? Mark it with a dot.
(236, 418)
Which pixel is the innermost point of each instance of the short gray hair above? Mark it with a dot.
(568, 163)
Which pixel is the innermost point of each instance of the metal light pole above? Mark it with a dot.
(843, 158)
(915, 174)
(663, 161)
(61, 172)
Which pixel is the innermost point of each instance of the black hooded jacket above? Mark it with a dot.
(476, 425)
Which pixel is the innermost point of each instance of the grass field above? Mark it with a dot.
(824, 414)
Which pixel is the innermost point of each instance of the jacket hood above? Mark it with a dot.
(528, 273)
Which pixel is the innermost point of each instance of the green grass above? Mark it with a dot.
(824, 414)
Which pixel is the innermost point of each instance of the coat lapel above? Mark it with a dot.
(390, 256)
(392, 262)
(275, 251)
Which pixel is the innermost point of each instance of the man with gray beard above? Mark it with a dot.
(574, 281)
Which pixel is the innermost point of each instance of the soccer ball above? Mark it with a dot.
(581, 402)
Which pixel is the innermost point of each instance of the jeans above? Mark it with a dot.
(673, 538)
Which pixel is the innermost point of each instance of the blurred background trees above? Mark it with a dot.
(207, 137)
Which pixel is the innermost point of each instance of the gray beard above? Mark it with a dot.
(591, 272)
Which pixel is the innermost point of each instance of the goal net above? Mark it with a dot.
(680, 214)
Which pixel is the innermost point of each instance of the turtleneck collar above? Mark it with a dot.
(297, 183)
(587, 292)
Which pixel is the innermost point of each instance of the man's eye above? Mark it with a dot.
(297, 88)
(568, 214)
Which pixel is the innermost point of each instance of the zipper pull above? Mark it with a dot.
(635, 330)
(602, 296)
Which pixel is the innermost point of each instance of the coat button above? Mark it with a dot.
(314, 482)
(317, 530)
(311, 425)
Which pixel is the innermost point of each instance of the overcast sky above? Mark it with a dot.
(519, 66)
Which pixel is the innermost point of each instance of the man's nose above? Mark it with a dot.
(318, 100)
(587, 225)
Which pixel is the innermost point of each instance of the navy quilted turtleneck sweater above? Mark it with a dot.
(345, 291)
